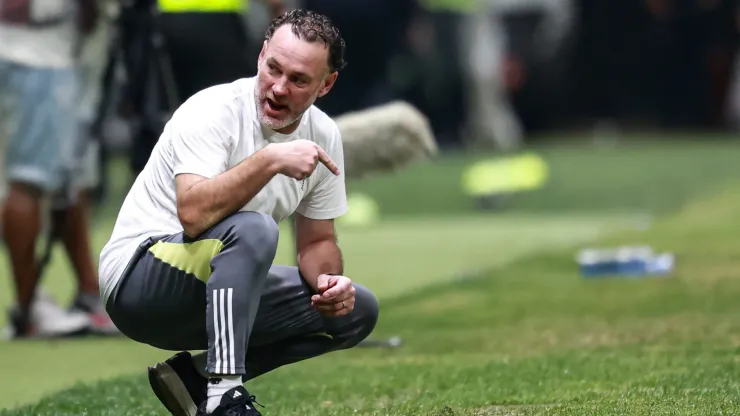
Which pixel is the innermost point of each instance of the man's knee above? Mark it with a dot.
(256, 230)
(366, 306)
(364, 316)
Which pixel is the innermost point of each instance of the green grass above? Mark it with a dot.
(433, 254)
(639, 175)
(531, 337)
(527, 336)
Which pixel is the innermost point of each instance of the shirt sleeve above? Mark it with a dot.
(201, 141)
(328, 199)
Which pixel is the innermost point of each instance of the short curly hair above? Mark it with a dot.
(313, 27)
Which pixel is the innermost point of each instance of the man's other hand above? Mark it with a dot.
(336, 295)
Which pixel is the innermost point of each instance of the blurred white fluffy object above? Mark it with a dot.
(385, 138)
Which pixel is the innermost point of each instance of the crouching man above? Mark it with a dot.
(189, 265)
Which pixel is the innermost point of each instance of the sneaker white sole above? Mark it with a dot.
(171, 391)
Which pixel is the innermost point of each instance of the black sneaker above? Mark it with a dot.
(235, 402)
(178, 385)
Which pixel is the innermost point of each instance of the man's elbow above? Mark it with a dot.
(191, 221)
(192, 232)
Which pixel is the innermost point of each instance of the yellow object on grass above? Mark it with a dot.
(506, 175)
(363, 211)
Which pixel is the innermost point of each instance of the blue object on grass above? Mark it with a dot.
(628, 261)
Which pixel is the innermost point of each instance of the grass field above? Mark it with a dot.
(494, 317)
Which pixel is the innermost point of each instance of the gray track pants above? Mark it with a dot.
(221, 293)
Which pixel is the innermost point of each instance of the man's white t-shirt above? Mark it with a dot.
(210, 133)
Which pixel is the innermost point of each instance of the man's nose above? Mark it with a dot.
(279, 88)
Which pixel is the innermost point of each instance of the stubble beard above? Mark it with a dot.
(266, 120)
(270, 122)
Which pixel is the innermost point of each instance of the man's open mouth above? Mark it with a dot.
(275, 106)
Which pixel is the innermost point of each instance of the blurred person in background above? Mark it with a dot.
(38, 89)
(203, 43)
(512, 53)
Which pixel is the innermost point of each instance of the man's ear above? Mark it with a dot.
(328, 83)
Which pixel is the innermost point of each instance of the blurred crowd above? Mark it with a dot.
(83, 79)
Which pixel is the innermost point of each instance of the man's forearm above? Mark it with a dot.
(321, 257)
(209, 201)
